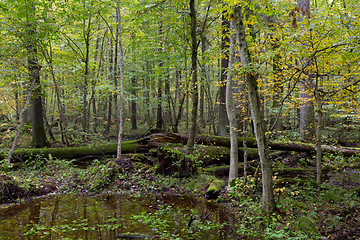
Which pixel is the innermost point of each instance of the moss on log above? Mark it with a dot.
(77, 152)
(221, 171)
(210, 155)
(287, 181)
(136, 236)
(214, 188)
(251, 142)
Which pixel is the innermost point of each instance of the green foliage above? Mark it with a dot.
(5, 166)
(165, 217)
(99, 175)
(243, 189)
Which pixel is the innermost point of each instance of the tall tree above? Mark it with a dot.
(31, 37)
(231, 111)
(194, 84)
(256, 110)
(121, 62)
(307, 115)
(222, 117)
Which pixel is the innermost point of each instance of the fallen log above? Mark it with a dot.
(210, 155)
(251, 142)
(137, 146)
(302, 173)
(136, 236)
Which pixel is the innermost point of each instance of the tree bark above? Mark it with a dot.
(121, 62)
(133, 105)
(307, 115)
(231, 112)
(194, 85)
(159, 113)
(256, 112)
(21, 122)
(86, 73)
(222, 117)
(111, 75)
(37, 121)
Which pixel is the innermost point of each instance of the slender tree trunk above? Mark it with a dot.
(159, 114)
(116, 74)
(246, 151)
(307, 114)
(202, 83)
(231, 112)
(86, 73)
(168, 113)
(147, 94)
(21, 122)
(223, 121)
(49, 59)
(318, 134)
(194, 85)
(121, 62)
(111, 74)
(256, 112)
(133, 105)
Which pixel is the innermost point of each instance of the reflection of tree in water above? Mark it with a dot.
(114, 204)
(54, 214)
(34, 217)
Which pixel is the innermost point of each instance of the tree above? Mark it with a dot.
(223, 121)
(121, 62)
(194, 84)
(231, 111)
(248, 69)
(30, 40)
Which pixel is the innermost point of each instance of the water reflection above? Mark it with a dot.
(111, 216)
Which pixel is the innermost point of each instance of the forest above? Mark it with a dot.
(179, 119)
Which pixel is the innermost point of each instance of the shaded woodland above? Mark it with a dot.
(265, 93)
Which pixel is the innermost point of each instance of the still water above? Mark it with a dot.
(116, 217)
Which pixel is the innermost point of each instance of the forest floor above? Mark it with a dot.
(304, 209)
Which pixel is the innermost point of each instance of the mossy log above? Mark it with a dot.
(221, 171)
(210, 155)
(251, 142)
(136, 236)
(136, 146)
(303, 173)
(287, 181)
(214, 188)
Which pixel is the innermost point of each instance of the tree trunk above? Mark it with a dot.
(223, 121)
(133, 105)
(121, 62)
(194, 85)
(307, 115)
(231, 112)
(86, 74)
(111, 75)
(203, 78)
(318, 133)
(21, 122)
(159, 113)
(256, 112)
(37, 122)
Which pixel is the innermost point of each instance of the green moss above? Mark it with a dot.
(214, 188)
(75, 152)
